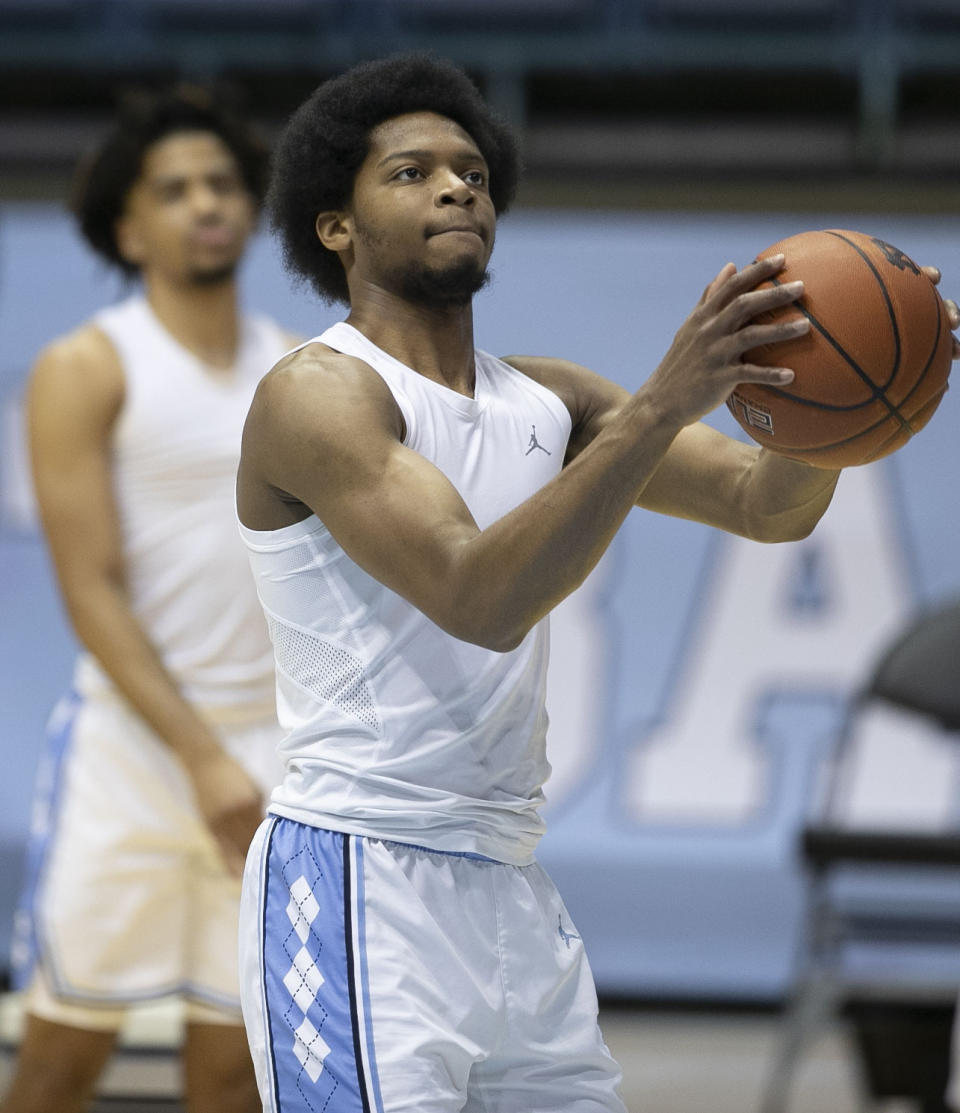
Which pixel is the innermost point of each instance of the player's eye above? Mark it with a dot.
(475, 178)
(408, 174)
(225, 183)
(169, 192)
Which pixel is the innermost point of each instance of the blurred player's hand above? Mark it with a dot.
(231, 803)
(953, 312)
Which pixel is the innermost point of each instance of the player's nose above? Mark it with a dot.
(453, 190)
(204, 199)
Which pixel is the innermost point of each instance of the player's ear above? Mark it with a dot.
(334, 230)
(128, 239)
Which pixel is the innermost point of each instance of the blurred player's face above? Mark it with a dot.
(421, 219)
(189, 214)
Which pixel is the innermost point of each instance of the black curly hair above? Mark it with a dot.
(328, 137)
(106, 176)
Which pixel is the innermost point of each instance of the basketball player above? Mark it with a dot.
(414, 508)
(159, 760)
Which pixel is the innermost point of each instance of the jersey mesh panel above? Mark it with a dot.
(328, 672)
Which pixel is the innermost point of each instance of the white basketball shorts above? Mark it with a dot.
(380, 978)
(126, 897)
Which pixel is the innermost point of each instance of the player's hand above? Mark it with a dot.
(953, 312)
(705, 361)
(230, 801)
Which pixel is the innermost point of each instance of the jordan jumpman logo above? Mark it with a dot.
(566, 936)
(534, 443)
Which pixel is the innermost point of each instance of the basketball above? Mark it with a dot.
(873, 367)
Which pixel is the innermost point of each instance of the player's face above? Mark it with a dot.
(421, 215)
(189, 214)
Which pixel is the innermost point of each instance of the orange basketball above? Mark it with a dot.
(874, 365)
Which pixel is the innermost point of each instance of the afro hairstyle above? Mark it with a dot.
(327, 139)
(105, 177)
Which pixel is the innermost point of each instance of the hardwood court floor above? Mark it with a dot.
(673, 1062)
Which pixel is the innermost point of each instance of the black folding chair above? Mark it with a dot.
(900, 1008)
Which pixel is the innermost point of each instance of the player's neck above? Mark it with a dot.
(203, 319)
(436, 343)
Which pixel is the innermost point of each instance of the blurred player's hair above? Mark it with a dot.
(328, 137)
(105, 177)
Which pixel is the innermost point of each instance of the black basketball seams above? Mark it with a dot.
(908, 389)
(877, 391)
(813, 450)
(894, 324)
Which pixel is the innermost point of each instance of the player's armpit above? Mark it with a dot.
(591, 400)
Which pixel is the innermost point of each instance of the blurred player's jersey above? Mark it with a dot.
(398, 730)
(176, 447)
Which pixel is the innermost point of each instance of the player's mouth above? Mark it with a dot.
(213, 235)
(456, 229)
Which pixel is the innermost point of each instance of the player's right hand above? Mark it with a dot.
(231, 804)
(705, 362)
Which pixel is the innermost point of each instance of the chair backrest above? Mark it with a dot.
(895, 764)
(895, 770)
(882, 850)
(921, 669)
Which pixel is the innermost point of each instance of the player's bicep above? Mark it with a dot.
(74, 395)
(335, 447)
(404, 524)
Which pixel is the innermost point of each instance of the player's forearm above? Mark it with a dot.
(514, 572)
(104, 622)
(783, 500)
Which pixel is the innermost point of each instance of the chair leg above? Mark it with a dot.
(812, 1005)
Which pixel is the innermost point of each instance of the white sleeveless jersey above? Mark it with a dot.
(398, 730)
(176, 447)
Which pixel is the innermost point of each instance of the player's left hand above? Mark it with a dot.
(953, 311)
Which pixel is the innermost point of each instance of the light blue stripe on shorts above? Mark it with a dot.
(43, 820)
(314, 973)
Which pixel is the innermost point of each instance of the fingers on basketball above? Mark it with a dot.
(872, 367)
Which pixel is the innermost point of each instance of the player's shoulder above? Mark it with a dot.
(84, 358)
(576, 386)
(566, 379)
(546, 370)
(87, 343)
(316, 384)
(591, 399)
(314, 367)
(77, 384)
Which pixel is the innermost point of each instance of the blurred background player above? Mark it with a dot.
(159, 760)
